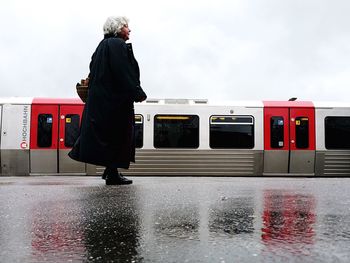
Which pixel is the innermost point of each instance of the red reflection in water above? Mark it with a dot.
(56, 233)
(288, 218)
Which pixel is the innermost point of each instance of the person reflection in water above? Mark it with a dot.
(107, 129)
(111, 228)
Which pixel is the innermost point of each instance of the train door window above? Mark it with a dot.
(44, 138)
(71, 129)
(229, 132)
(302, 132)
(337, 132)
(176, 131)
(138, 131)
(277, 132)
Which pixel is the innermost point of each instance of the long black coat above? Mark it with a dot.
(107, 128)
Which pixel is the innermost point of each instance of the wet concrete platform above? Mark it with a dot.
(172, 219)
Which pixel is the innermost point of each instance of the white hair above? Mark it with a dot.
(114, 24)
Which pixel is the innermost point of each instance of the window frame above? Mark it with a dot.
(251, 123)
(40, 134)
(171, 115)
(143, 130)
(325, 134)
(279, 117)
(298, 139)
(65, 129)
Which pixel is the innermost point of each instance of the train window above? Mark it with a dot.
(176, 131)
(44, 138)
(277, 132)
(229, 132)
(337, 132)
(71, 129)
(138, 131)
(302, 132)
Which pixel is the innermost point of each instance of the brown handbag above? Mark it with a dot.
(83, 89)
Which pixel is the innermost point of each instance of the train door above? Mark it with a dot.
(44, 139)
(69, 125)
(289, 140)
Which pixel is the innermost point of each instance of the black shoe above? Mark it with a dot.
(107, 171)
(117, 180)
(124, 178)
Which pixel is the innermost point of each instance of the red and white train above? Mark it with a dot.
(186, 137)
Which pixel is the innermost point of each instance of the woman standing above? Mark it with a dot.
(107, 128)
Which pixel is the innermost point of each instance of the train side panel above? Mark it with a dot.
(333, 140)
(240, 139)
(15, 136)
(0, 136)
(218, 159)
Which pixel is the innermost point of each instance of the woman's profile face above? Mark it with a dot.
(125, 32)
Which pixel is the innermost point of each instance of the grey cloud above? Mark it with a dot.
(233, 50)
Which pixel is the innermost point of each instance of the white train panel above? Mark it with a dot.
(15, 137)
(204, 112)
(332, 145)
(321, 115)
(15, 133)
(0, 135)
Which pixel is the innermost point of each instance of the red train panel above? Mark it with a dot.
(289, 125)
(70, 119)
(44, 127)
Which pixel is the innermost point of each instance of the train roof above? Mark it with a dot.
(331, 104)
(16, 100)
(179, 102)
(32, 100)
(290, 104)
(201, 102)
(60, 101)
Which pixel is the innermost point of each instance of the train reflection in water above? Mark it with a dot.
(52, 236)
(186, 137)
(166, 219)
(288, 220)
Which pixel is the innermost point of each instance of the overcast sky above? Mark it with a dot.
(219, 50)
